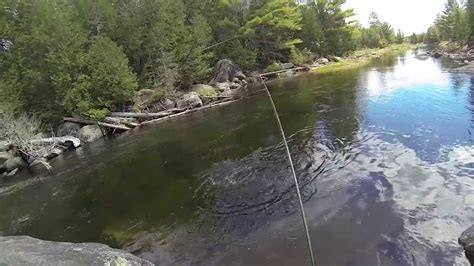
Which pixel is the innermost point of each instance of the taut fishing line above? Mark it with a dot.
(298, 192)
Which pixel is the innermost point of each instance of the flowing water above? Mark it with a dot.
(384, 155)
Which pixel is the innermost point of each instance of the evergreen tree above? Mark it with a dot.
(414, 39)
(105, 84)
(400, 37)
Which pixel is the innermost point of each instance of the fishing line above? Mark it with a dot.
(298, 192)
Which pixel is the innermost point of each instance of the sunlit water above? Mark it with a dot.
(385, 157)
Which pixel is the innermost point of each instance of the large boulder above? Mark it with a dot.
(226, 71)
(467, 242)
(68, 129)
(190, 100)
(90, 133)
(24, 250)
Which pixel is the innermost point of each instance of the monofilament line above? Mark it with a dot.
(298, 192)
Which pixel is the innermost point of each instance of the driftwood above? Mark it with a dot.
(147, 115)
(59, 140)
(90, 122)
(296, 69)
(122, 120)
(215, 104)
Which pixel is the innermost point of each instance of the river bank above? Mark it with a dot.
(229, 84)
(362, 58)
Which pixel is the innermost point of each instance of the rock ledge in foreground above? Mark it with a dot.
(467, 242)
(24, 250)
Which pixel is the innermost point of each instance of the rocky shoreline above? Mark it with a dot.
(463, 56)
(229, 84)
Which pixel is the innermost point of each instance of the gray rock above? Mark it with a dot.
(323, 60)
(226, 71)
(68, 129)
(90, 133)
(190, 99)
(437, 55)
(234, 94)
(467, 242)
(167, 103)
(235, 86)
(23, 250)
(335, 59)
(287, 65)
(222, 86)
(13, 163)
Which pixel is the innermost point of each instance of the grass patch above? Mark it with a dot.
(361, 58)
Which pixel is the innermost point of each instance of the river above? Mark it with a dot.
(384, 155)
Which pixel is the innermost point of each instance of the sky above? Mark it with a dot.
(407, 15)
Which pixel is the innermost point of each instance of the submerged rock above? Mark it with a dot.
(190, 99)
(90, 133)
(23, 250)
(467, 242)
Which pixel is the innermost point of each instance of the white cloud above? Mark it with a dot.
(408, 15)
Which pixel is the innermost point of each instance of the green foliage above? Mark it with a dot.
(432, 35)
(414, 39)
(400, 38)
(273, 67)
(470, 17)
(106, 81)
(298, 57)
(207, 91)
(89, 56)
(453, 24)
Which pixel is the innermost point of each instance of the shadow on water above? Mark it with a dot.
(384, 155)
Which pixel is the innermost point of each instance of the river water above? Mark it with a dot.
(384, 155)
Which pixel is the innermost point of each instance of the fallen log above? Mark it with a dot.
(121, 127)
(90, 122)
(215, 104)
(59, 140)
(79, 121)
(140, 115)
(131, 122)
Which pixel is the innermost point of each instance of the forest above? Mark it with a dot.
(89, 57)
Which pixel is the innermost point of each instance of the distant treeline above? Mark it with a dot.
(454, 24)
(88, 57)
